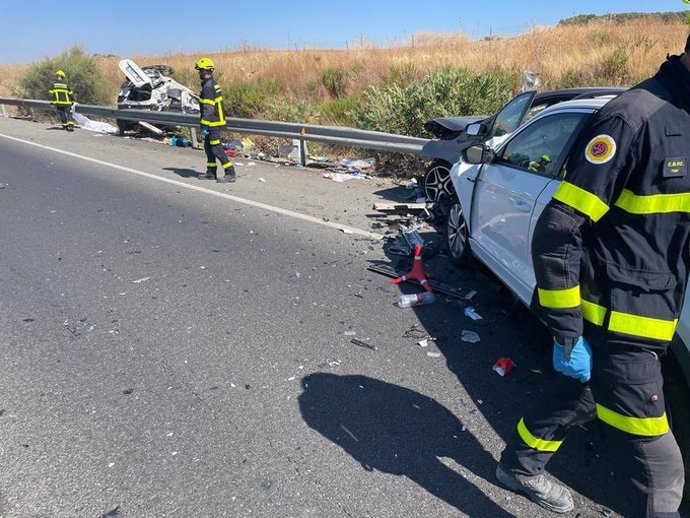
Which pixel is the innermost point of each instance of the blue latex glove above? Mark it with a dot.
(575, 361)
(204, 133)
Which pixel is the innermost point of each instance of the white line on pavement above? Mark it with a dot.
(278, 210)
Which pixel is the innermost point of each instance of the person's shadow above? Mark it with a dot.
(395, 430)
(183, 172)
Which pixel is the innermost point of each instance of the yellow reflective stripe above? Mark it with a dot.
(592, 312)
(210, 164)
(227, 164)
(653, 204)
(581, 200)
(567, 298)
(646, 327)
(214, 141)
(645, 426)
(218, 99)
(534, 442)
(207, 101)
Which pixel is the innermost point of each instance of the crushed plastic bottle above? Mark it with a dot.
(416, 299)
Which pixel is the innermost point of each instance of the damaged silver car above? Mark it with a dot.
(152, 88)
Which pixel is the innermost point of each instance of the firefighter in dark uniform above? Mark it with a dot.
(212, 120)
(62, 99)
(611, 254)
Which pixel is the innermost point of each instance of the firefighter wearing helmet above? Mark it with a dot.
(212, 120)
(62, 98)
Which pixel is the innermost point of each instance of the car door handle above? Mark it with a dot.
(523, 206)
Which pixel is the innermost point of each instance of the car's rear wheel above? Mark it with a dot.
(457, 236)
(437, 183)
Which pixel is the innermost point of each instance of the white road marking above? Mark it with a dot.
(304, 217)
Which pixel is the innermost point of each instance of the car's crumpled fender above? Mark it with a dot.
(448, 150)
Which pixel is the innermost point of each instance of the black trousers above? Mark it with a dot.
(214, 150)
(626, 393)
(64, 113)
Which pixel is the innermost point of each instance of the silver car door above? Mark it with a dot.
(506, 193)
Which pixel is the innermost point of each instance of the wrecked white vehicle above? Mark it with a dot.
(151, 88)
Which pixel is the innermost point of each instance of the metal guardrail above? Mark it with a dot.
(339, 135)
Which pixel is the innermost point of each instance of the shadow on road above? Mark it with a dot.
(183, 172)
(395, 430)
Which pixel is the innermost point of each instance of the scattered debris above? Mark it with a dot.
(348, 432)
(345, 230)
(350, 333)
(470, 295)
(416, 299)
(471, 313)
(423, 343)
(88, 124)
(432, 354)
(394, 206)
(416, 333)
(139, 281)
(412, 184)
(360, 343)
(262, 180)
(470, 337)
(503, 366)
(344, 177)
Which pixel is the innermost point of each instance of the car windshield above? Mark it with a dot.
(510, 117)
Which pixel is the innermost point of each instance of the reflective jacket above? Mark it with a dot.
(62, 95)
(211, 105)
(612, 247)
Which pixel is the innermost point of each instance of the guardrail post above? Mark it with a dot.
(192, 132)
(302, 148)
(4, 112)
(33, 115)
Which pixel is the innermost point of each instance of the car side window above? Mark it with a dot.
(539, 147)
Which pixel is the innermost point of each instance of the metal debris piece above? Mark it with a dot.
(470, 337)
(360, 343)
(423, 343)
(432, 354)
(139, 281)
(471, 313)
(470, 295)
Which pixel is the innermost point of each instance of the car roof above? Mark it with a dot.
(566, 94)
(593, 104)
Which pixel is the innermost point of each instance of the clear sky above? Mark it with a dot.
(33, 29)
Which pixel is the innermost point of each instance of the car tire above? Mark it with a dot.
(457, 236)
(437, 183)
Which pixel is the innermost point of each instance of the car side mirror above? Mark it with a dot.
(476, 129)
(477, 154)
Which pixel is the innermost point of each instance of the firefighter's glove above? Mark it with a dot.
(574, 361)
(204, 133)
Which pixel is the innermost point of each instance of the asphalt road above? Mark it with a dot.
(179, 348)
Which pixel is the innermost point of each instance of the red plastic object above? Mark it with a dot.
(503, 366)
(230, 152)
(417, 271)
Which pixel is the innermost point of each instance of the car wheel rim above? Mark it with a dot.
(437, 183)
(457, 231)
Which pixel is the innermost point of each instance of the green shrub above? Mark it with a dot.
(403, 74)
(83, 76)
(571, 78)
(615, 66)
(337, 111)
(444, 92)
(288, 110)
(246, 99)
(334, 80)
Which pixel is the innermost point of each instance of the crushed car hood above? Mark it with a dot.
(450, 127)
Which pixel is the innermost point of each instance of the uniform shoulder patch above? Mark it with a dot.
(600, 149)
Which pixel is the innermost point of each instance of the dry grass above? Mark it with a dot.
(552, 51)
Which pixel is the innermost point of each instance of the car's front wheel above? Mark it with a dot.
(457, 236)
(437, 182)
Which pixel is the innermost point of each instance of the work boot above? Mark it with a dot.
(228, 178)
(539, 489)
(206, 176)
